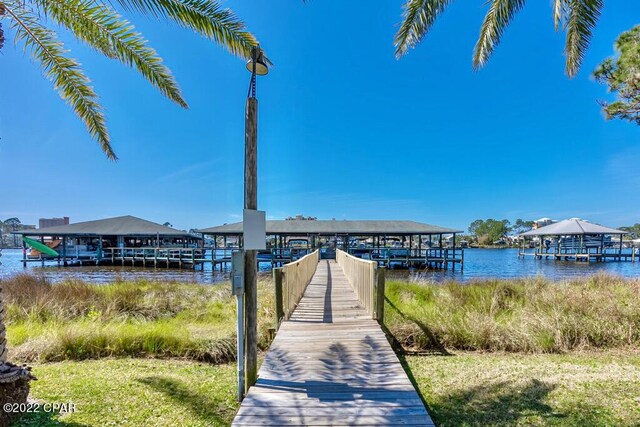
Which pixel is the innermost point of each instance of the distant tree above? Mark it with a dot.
(521, 226)
(577, 18)
(11, 225)
(490, 230)
(633, 230)
(622, 76)
(473, 228)
(167, 224)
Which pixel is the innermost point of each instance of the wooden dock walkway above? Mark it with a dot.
(331, 364)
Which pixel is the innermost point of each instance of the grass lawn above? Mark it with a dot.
(135, 392)
(583, 389)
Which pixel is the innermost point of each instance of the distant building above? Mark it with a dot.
(542, 222)
(301, 218)
(52, 222)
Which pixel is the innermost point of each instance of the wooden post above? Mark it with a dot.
(250, 266)
(620, 253)
(24, 253)
(453, 263)
(379, 311)
(64, 251)
(277, 280)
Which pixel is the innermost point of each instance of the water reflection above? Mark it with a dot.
(479, 263)
(11, 265)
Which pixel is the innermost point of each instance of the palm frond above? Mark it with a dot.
(65, 73)
(206, 17)
(500, 14)
(2, 12)
(418, 18)
(582, 17)
(106, 31)
(559, 13)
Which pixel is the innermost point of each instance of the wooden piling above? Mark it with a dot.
(251, 270)
(380, 286)
(277, 280)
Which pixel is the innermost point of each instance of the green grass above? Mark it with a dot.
(525, 315)
(134, 392)
(583, 389)
(76, 320)
(509, 379)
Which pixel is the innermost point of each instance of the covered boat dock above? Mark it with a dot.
(123, 240)
(577, 240)
(390, 243)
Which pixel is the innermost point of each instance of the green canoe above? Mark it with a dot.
(40, 247)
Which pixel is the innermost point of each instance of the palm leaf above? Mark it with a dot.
(65, 73)
(582, 17)
(206, 17)
(500, 14)
(418, 18)
(559, 12)
(104, 29)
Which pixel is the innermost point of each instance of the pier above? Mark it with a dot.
(330, 362)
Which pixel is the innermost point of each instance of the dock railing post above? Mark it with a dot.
(379, 293)
(277, 280)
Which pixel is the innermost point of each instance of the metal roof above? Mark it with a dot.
(570, 227)
(119, 226)
(330, 227)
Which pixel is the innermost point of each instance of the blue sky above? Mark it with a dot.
(346, 131)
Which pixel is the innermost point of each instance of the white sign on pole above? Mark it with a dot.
(254, 226)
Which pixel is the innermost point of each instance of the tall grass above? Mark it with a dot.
(525, 315)
(77, 320)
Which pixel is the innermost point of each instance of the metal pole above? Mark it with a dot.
(240, 344)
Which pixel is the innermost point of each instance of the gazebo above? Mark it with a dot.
(576, 239)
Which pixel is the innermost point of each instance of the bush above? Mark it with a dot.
(76, 320)
(525, 315)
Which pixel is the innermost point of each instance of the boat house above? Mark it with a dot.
(576, 240)
(118, 240)
(392, 243)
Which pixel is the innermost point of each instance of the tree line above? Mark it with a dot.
(495, 231)
(491, 231)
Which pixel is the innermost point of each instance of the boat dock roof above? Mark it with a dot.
(118, 226)
(333, 227)
(572, 227)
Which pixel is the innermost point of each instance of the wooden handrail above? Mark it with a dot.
(291, 281)
(367, 281)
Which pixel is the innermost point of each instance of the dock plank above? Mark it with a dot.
(331, 364)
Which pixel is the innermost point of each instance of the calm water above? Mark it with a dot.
(479, 263)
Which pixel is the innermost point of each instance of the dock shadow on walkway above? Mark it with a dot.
(331, 364)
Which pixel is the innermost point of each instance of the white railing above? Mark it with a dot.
(291, 281)
(367, 281)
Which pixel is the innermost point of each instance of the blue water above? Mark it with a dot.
(479, 263)
(505, 264)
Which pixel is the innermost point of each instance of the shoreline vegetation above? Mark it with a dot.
(170, 346)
